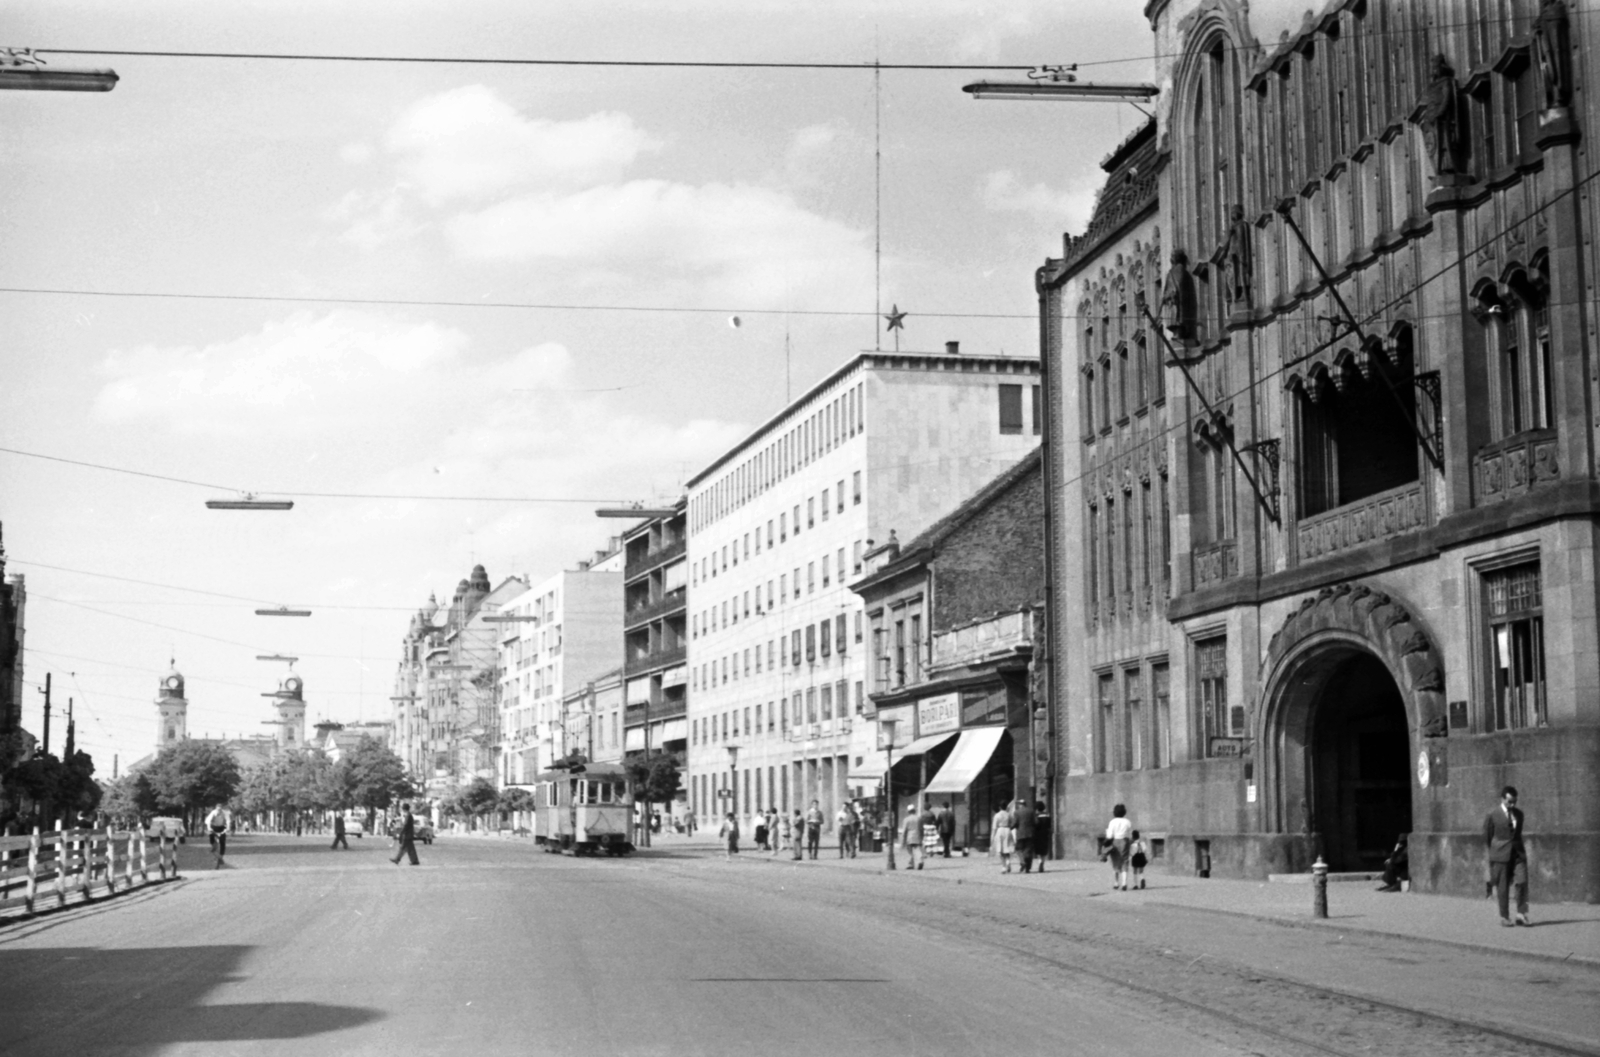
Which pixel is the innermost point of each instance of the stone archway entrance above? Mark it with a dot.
(1353, 684)
(1359, 756)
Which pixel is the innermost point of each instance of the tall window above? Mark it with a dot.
(1107, 724)
(1128, 561)
(1515, 607)
(1010, 408)
(1133, 694)
(1217, 718)
(1161, 701)
(1088, 402)
(1362, 440)
(1166, 533)
(1093, 594)
(915, 658)
(1146, 541)
(1518, 337)
(1111, 551)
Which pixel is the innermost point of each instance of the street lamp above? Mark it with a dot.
(21, 69)
(283, 611)
(733, 779)
(886, 739)
(249, 502)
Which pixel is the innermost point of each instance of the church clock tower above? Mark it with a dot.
(173, 709)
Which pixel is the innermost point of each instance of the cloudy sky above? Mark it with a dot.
(650, 204)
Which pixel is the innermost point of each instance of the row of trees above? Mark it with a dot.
(190, 777)
(43, 788)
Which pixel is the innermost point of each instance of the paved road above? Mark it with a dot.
(493, 947)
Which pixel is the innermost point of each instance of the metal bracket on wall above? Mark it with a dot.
(1271, 508)
(1428, 383)
(1267, 451)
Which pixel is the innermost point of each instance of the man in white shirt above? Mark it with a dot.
(218, 823)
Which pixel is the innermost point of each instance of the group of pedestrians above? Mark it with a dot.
(1125, 850)
(800, 832)
(1013, 832)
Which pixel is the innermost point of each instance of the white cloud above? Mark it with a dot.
(468, 143)
(1070, 207)
(300, 374)
(737, 241)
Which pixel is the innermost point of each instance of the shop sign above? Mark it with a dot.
(984, 707)
(1229, 747)
(935, 715)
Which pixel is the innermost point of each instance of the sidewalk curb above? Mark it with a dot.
(1571, 958)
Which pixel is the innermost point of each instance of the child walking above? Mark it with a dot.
(1138, 859)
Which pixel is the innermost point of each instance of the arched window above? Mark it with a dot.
(1516, 322)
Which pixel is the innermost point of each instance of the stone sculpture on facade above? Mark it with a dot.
(1180, 307)
(1238, 260)
(1440, 118)
(1554, 49)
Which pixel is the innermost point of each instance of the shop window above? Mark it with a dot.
(1514, 604)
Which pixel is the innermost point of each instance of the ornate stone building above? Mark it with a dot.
(1328, 575)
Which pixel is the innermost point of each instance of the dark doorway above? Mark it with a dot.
(1361, 765)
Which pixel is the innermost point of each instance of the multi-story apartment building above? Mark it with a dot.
(1329, 577)
(593, 719)
(446, 707)
(556, 637)
(656, 634)
(779, 525)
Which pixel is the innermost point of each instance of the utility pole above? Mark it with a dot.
(46, 693)
(71, 734)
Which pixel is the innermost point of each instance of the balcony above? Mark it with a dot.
(1379, 517)
(1215, 563)
(648, 661)
(671, 602)
(655, 559)
(1515, 466)
(1003, 635)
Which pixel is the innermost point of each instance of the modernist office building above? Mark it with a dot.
(1329, 574)
(779, 525)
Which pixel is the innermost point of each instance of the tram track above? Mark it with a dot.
(1246, 1004)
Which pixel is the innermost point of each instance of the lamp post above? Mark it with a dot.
(733, 780)
(886, 739)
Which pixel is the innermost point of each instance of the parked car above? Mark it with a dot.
(354, 827)
(165, 827)
(424, 830)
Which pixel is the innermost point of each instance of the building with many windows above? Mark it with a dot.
(555, 638)
(655, 596)
(779, 526)
(1328, 576)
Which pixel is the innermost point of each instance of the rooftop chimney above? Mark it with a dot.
(952, 348)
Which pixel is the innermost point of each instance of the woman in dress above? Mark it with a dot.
(1119, 834)
(1004, 841)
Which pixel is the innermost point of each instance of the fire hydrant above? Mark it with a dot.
(1319, 888)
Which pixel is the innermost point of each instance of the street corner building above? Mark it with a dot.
(1321, 387)
(778, 527)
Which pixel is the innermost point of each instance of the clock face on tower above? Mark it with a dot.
(291, 684)
(173, 682)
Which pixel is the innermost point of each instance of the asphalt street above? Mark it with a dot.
(492, 947)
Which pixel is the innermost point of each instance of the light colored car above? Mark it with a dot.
(424, 830)
(163, 827)
(354, 827)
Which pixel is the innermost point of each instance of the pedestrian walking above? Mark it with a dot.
(1004, 840)
(1138, 858)
(1508, 858)
(761, 831)
(846, 821)
(688, 821)
(338, 834)
(1041, 834)
(1119, 834)
(814, 822)
(797, 838)
(218, 823)
(947, 827)
(730, 836)
(1023, 823)
(407, 836)
(911, 838)
(1396, 868)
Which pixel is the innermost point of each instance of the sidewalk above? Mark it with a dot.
(1560, 932)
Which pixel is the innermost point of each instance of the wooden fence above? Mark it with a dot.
(79, 863)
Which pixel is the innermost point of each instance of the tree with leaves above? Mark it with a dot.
(375, 777)
(129, 800)
(189, 776)
(655, 781)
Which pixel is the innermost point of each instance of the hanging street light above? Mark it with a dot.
(22, 70)
(249, 502)
(283, 611)
(276, 657)
(1060, 84)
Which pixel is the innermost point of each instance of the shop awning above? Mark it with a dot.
(922, 745)
(970, 755)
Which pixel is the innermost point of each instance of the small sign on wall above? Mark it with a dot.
(1458, 715)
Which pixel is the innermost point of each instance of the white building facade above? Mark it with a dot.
(778, 527)
(567, 632)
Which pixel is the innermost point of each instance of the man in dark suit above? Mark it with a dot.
(1508, 859)
(408, 837)
(338, 834)
(947, 827)
(1023, 823)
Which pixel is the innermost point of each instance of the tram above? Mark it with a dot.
(585, 811)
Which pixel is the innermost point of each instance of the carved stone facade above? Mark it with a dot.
(1380, 382)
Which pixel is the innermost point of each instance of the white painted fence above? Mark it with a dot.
(74, 863)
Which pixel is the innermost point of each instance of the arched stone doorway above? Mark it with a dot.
(1353, 684)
